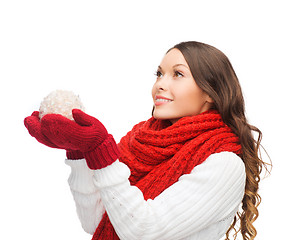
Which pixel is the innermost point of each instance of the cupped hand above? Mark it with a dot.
(85, 133)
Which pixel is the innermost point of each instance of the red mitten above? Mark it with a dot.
(85, 134)
(33, 125)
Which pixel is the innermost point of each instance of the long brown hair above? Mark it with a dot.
(215, 75)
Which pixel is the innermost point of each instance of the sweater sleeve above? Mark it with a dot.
(87, 197)
(196, 206)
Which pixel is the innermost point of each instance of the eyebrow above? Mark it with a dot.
(176, 65)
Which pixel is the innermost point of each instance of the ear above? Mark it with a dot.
(209, 99)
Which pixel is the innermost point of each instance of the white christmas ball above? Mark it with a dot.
(60, 102)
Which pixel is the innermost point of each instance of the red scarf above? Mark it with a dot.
(158, 153)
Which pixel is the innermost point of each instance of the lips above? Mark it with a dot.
(160, 100)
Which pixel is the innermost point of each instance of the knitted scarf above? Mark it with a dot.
(158, 153)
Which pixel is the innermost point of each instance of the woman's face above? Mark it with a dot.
(175, 92)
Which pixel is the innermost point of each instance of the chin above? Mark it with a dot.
(160, 116)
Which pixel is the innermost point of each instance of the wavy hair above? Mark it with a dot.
(215, 75)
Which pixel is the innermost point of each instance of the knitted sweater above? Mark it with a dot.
(199, 206)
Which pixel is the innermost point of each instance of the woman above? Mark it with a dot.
(183, 173)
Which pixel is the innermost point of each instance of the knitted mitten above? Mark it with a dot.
(33, 125)
(85, 134)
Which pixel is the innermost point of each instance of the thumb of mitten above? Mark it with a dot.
(82, 118)
(32, 124)
(97, 130)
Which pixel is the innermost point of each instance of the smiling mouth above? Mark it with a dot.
(159, 100)
(162, 100)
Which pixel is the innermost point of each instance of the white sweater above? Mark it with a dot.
(200, 206)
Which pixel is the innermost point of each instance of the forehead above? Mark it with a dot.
(172, 58)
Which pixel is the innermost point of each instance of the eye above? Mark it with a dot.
(178, 74)
(158, 74)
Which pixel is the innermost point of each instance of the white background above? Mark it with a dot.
(107, 52)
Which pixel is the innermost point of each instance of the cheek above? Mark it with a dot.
(187, 94)
(153, 91)
(191, 99)
(195, 96)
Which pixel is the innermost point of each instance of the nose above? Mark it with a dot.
(162, 84)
